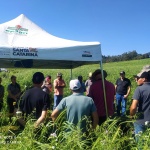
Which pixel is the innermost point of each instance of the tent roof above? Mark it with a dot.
(24, 44)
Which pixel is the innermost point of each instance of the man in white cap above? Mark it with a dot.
(78, 106)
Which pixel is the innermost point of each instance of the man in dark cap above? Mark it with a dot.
(96, 92)
(145, 69)
(123, 87)
(59, 85)
(35, 100)
(141, 104)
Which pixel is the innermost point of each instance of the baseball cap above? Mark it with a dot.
(122, 72)
(59, 74)
(145, 69)
(145, 75)
(135, 76)
(75, 84)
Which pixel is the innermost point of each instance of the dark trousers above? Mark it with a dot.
(10, 103)
(102, 119)
(1, 105)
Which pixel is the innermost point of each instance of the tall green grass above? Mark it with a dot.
(112, 135)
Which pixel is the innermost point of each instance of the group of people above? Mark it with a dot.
(93, 99)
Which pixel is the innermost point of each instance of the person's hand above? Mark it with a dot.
(35, 125)
(131, 117)
(62, 85)
(125, 96)
(15, 98)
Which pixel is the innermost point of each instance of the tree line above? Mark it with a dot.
(131, 55)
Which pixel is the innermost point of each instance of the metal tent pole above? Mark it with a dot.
(71, 74)
(101, 66)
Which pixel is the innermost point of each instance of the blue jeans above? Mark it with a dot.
(121, 104)
(138, 129)
(57, 99)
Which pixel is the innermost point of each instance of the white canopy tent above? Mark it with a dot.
(24, 44)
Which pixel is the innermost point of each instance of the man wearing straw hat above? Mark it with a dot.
(59, 85)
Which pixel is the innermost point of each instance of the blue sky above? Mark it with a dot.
(119, 25)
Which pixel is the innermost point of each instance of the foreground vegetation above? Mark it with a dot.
(116, 133)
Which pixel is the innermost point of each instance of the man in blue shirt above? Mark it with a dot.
(78, 106)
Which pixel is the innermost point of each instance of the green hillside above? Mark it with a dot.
(113, 134)
(131, 68)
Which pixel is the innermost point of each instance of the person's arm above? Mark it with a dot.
(133, 107)
(45, 108)
(90, 92)
(115, 87)
(41, 118)
(43, 84)
(129, 89)
(19, 93)
(116, 84)
(55, 84)
(55, 114)
(128, 92)
(95, 120)
(50, 88)
(11, 95)
(63, 84)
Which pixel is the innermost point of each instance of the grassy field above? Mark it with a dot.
(112, 135)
